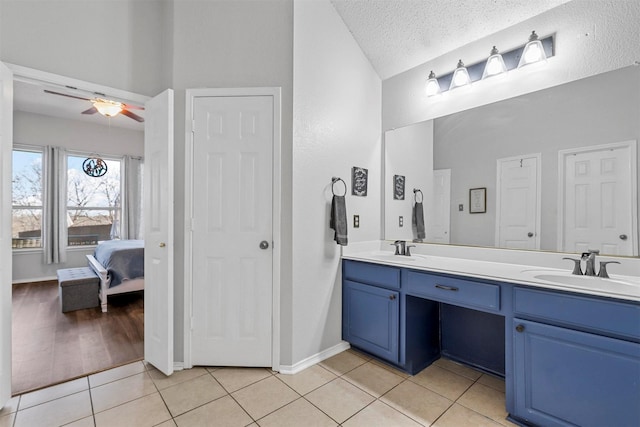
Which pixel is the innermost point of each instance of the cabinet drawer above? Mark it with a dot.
(603, 316)
(453, 290)
(371, 273)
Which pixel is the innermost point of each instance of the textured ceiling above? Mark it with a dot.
(397, 35)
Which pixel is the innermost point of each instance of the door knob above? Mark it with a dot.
(623, 237)
(162, 244)
(530, 234)
(520, 328)
(264, 244)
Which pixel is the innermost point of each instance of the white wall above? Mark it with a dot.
(39, 130)
(408, 152)
(113, 43)
(336, 125)
(611, 43)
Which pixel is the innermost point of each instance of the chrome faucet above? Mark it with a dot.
(402, 248)
(590, 257)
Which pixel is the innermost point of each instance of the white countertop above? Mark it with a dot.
(617, 286)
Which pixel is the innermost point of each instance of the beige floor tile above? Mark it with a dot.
(339, 399)
(486, 401)
(169, 423)
(185, 396)
(417, 402)
(144, 412)
(11, 406)
(379, 415)
(85, 422)
(458, 416)
(7, 420)
(373, 379)
(121, 391)
(233, 379)
(390, 368)
(54, 392)
(308, 380)
(264, 397)
(442, 381)
(162, 381)
(56, 412)
(225, 411)
(360, 354)
(114, 374)
(458, 368)
(297, 413)
(343, 362)
(496, 383)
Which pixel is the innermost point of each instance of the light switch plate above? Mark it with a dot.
(401, 221)
(460, 207)
(356, 221)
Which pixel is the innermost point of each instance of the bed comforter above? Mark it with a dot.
(123, 259)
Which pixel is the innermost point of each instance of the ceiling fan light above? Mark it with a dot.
(533, 51)
(108, 108)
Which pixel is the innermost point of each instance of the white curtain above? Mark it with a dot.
(54, 223)
(132, 227)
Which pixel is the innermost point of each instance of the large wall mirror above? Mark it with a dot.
(553, 170)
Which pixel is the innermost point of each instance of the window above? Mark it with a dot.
(26, 224)
(93, 203)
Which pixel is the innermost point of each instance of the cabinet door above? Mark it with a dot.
(370, 319)
(565, 377)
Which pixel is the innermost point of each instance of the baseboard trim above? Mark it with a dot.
(316, 358)
(34, 280)
(178, 366)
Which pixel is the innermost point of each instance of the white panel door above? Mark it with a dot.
(232, 230)
(518, 203)
(6, 146)
(598, 207)
(438, 223)
(158, 232)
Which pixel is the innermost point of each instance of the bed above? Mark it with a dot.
(120, 266)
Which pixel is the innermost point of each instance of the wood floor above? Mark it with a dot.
(50, 346)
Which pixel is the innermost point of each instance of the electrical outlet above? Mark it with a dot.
(401, 221)
(356, 221)
(460, 207)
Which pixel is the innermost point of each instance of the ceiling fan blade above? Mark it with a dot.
(131, 115)
(67, 95)
(133, 107)
(91, 110)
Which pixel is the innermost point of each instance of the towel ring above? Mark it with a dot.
(415, 195)
(333, 181)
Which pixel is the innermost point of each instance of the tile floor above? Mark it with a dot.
(349, 389)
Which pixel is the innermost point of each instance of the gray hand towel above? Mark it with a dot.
(418, 220)
(338, 220)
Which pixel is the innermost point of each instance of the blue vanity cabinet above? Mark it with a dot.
(576, 360)
(371, 308)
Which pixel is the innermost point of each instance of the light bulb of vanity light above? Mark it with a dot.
(460, 76)
(432, 86)
(495, 64)
(533, 51)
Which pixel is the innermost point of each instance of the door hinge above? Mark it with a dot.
(193, 126)
(192, 323)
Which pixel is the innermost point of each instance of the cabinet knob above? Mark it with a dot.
(392, 297)
(520, 328)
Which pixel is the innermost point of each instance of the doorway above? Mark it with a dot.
(232, 199)
(79, 342)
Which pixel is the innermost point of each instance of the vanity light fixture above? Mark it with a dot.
(460, 76)
(495, 64)
(533, 51)
(432, 86)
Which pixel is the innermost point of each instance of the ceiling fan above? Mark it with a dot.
(106, 107)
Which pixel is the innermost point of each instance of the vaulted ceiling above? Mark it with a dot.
(397, 35)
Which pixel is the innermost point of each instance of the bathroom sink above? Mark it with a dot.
(390, 256)
(562, 278)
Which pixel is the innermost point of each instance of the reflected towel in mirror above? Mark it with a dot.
(418, 220)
